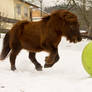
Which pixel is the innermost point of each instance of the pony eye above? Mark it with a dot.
(73, 23)
(72, 26)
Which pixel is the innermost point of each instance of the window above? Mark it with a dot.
(18, 9)
(26, 11)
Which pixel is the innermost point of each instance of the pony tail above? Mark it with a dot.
(6, 48)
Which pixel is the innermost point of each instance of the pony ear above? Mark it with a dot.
(69, 17)
(46, 18)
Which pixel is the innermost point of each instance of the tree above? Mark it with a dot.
(84, 6)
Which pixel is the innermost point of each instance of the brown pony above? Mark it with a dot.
(43, 35)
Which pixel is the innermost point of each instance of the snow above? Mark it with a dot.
(66, 75)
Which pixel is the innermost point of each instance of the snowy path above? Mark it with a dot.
(68, 75)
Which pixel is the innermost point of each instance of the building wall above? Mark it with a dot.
(7, 8)
(23, 6)
(37, 13)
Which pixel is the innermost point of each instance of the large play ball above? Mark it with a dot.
(87, 58)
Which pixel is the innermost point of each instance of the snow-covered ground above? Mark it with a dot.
(67, 75)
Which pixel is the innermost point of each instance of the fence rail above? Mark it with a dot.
(6, 20)
(9, 20)
(3, 30)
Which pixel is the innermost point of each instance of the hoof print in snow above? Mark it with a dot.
(2, 86)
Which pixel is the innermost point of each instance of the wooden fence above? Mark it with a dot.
(6, 20)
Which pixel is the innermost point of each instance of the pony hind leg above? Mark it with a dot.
(13, 54)
(34, 61)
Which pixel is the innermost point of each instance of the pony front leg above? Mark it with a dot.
(51, 59)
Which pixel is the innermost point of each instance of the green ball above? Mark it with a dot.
(87, 58)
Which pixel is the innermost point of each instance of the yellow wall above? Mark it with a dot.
(7, 8)
(23, 5)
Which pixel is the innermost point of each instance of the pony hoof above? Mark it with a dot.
(39, 68)
(13, 68)
(48, 65)
(1, 58)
